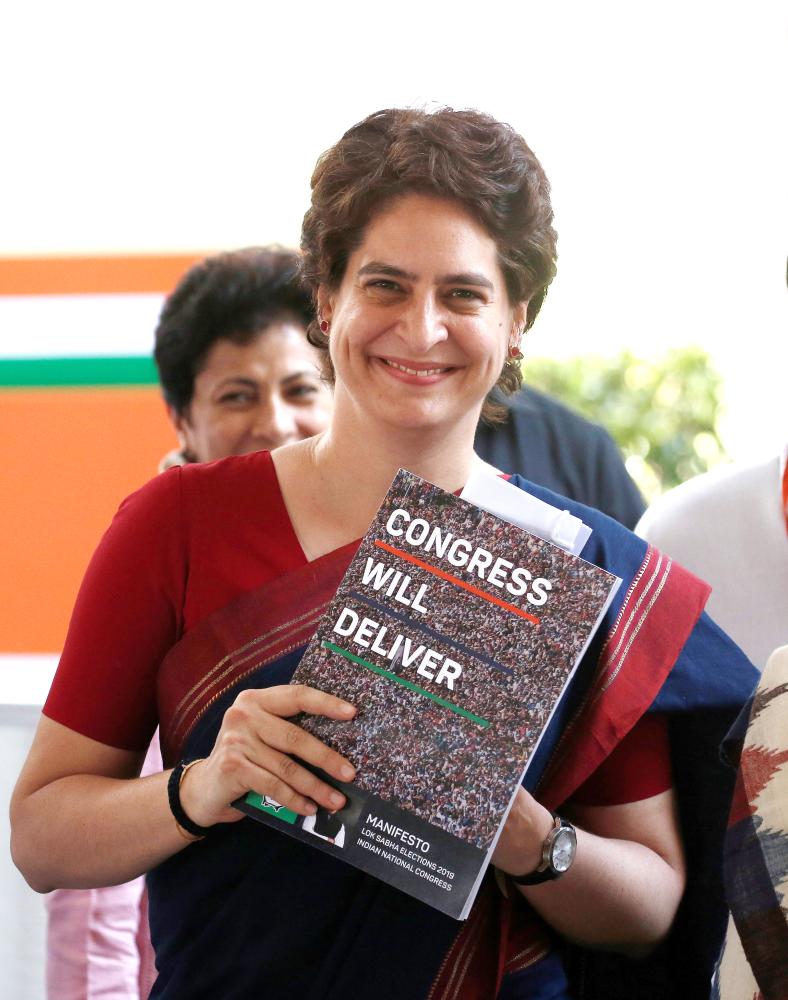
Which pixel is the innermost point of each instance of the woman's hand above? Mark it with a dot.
(80, 818)
(519, 848)
(255, 751)
(625, 884)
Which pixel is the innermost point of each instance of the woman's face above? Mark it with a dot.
(421, 323)
(254, 396)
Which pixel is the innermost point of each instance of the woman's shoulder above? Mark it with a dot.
(186, 496)
(226, 474)
(238, 480)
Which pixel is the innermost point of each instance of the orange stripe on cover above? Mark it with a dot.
(457, 582)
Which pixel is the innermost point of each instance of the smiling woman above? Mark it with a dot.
(428, 249)
(497, 183)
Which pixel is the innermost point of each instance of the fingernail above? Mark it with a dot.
(347, 708)
(310, 809)
(347, 772)
(337, 799)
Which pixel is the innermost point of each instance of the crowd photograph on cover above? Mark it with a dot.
(455, 769)
(309, 688)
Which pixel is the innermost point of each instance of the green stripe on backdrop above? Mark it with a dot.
(41, 372)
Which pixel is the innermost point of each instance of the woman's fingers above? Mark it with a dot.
(294, 741)
(262, 711)
(256, 750)
(281, 771)
(289, 699)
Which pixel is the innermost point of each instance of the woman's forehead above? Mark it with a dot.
(426, 235)
(279, 345)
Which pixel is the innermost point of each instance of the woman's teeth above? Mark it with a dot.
(413, 371)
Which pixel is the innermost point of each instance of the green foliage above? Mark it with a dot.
(662, 412)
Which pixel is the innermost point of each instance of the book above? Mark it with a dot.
(455, 633)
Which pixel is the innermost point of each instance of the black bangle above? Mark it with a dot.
(174, 796)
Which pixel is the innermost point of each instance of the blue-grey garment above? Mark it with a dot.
(546, 442)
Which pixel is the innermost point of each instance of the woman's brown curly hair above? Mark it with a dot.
(466, 156)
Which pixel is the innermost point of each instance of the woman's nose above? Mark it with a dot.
(276, 423)
(424, 324)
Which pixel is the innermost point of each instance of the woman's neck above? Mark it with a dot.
(334, 483)
(365, 463)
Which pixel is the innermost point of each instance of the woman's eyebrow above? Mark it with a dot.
(377, 267)
(464, 278)
(235, 380)
(302, 373)
(467, 278)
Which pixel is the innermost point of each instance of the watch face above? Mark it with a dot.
(563, 849)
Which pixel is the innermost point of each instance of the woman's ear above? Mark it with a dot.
(181, 424)
(519, 319)
(520, 316)
(325, 303)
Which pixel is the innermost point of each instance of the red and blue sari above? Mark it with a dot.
(249, 912)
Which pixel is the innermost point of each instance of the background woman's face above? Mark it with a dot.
(255, 396)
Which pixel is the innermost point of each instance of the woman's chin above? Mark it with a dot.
(420, 419)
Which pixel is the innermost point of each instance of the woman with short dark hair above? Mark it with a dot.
(428, 247)
(235, 368)
(465, 156)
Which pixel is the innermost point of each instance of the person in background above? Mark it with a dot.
(545, 441)
(729, 527)
(238, 375)
(754, 963)
(237, 372)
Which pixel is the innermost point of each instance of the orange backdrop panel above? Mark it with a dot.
(68, 457)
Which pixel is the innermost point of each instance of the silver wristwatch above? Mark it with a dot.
(558, 853)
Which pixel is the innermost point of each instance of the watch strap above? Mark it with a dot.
(535, 878)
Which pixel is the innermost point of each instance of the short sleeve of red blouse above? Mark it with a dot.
(182, 547)
(127, 615)
(638, 768)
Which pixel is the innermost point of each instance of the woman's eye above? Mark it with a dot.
(466, 294)
(240, 397)
(301, 391)
(384, 285)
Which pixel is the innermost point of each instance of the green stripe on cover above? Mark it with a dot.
(95, 371)
(406, 683)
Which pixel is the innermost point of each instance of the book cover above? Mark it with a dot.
(454, 632)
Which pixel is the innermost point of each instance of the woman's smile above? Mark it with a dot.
(415, 372)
